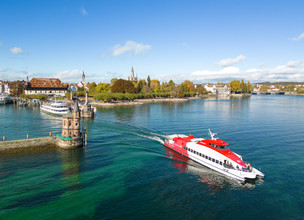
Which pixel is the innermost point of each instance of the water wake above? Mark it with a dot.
(155, 138)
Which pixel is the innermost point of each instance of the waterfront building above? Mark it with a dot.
(218, 89)
(132, 76)
(1, 87)
(71, 123)
(45, 86)
(5, 87)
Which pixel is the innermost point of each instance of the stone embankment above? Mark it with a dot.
(41, 143)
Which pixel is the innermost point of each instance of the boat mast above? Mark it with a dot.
(212, 135)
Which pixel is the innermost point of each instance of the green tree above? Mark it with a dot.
(149, 81)
(235, 85)
(200, 89)
(171, 84)
(16, 88)
(103, 87)
(92, 86)
(123, 86)
(243, 87)
(157, 89)
(141, 85)
(290, 88)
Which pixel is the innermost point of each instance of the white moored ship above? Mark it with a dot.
(4, 99)
(56, 108)
(213, 153)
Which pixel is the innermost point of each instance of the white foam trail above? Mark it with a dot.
(155, 138)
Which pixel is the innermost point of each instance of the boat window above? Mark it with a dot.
(221, 163)
(200, 154)
(213, 160)
(209, 158)
(217, 161)
(194, 151)
(222, 147)
(203, 155)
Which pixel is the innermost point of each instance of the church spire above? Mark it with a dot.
(132, 72)
(83, 77)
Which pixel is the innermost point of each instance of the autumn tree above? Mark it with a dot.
(113, 81)
(16, 88)
(235, 85)
(187, 86)
(249, 87)
(264, 88)
(123, 86)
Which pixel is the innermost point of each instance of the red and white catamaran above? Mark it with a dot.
(213, 153)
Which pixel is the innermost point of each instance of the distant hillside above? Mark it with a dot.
(280, 83)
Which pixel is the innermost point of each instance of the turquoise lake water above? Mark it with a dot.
(126, 173)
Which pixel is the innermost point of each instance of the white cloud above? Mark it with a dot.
(68, 76)
(6, 74)
(131, 47)
(83, 11)
(292, 71)
(16, 50)
(295, 63)
(230, 61)
(300, 37)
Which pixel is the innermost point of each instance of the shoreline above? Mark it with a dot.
(143, 101)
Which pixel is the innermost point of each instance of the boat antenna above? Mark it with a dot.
(212, 135)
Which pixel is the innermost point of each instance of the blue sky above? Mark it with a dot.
(203, 41)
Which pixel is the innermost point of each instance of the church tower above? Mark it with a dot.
(132, 77)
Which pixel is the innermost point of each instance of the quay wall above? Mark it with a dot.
(27, 143)
(40, 142)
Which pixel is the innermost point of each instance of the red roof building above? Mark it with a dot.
(46, 86)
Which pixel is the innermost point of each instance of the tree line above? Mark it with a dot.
(120, 89)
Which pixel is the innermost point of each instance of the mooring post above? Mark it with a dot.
(3, 138)
(50, 134)
(27, 136)
(85, 138)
